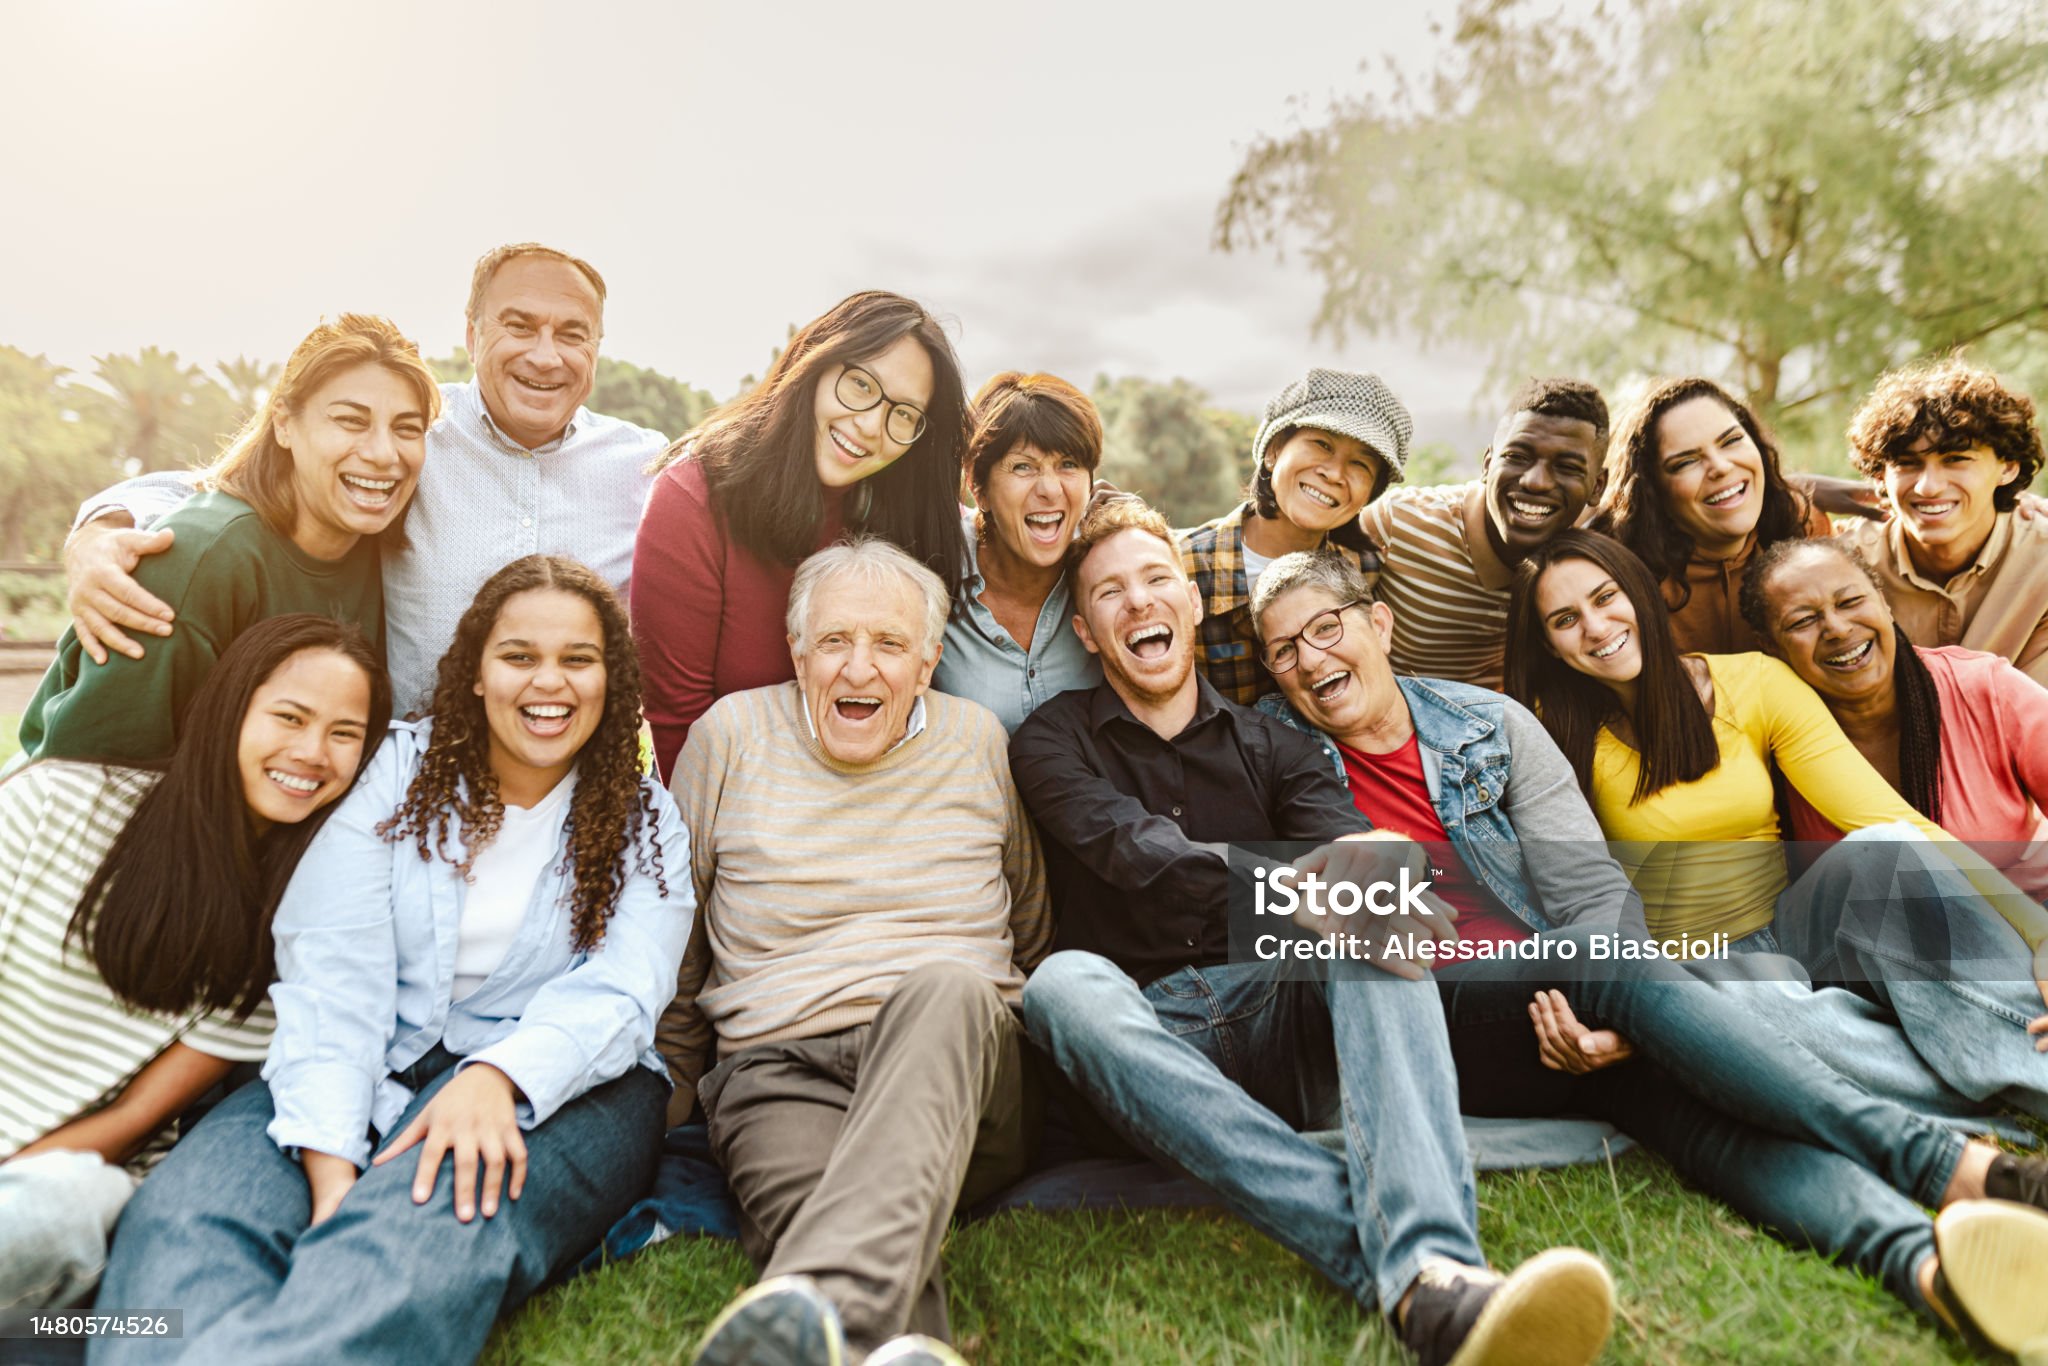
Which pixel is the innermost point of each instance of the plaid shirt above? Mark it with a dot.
(1213, 556)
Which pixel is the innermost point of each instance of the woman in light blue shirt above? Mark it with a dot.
(472, 958)
(1031, 463)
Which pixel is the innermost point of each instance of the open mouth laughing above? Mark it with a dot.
(546, 719)
(857, 708)
(1330, 685)
(1852, 659)
(1318, 497)
(1150, 642)
(372, 495)
(1044, 527)
(1528, 512)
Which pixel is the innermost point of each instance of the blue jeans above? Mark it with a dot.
(1741, 1111)
(1885, 915)
(219, 1231)
(1214, 1070)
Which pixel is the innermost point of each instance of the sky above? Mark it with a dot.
(213, 176)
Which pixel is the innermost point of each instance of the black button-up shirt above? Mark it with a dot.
(1136, 827)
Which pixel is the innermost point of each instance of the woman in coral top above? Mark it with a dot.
(859, 427)
(1675, 753)
(1958, 733)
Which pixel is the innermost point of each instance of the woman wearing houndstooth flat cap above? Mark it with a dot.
(1330, 443)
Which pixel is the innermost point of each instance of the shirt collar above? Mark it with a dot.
(474, 395)
(1106, 706)
(1902, 558)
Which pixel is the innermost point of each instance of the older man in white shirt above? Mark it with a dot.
(516, 466)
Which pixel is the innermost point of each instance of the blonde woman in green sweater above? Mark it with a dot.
(288, 519)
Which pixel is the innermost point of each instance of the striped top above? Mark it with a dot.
(821, 884)
(66, 1046)
(1447, 589)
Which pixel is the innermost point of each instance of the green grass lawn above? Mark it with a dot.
(1697, 1285)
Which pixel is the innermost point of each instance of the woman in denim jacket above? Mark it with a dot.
(1473, 779)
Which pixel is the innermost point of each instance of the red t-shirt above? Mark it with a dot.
(1390, 791)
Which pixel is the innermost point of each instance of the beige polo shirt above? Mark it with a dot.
(1999, 604)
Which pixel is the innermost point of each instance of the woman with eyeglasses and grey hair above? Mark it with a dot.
(859, 427)
(1330, 443)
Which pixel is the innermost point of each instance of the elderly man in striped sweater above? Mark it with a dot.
(871, 896)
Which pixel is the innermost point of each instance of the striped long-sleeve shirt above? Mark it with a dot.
(1447, 589)
(819, 884)
(66, 1045)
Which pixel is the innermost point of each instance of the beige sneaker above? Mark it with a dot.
(1994, 1266)
(1555, 1309)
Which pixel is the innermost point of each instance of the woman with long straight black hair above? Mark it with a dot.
(859, 427)
(1675, 751)
(135, 947)
(462, 1093)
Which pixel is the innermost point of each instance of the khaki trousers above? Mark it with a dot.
(848, 1153)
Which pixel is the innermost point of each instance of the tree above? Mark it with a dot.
(50, 457)
(163, 413)
(453, 368)
(249, 382)
(1165, 443)
(1793, 194)
(648, 398)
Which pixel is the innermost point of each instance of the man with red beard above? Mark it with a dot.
(1137, 786)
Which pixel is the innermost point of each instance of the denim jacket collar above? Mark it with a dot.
(1466, 762)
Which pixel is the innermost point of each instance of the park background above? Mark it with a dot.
(1178, 207)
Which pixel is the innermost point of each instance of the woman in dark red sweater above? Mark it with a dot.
(859, 427)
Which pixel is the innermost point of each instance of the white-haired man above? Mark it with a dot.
(516, 466)
(872, 897)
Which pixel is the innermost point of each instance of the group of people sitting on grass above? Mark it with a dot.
(952, 825)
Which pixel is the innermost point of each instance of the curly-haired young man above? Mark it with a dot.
(1951, 449)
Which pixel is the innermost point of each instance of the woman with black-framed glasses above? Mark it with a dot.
(859, 426)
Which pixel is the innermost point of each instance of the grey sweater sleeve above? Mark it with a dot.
(148, 498)
(1563, 848)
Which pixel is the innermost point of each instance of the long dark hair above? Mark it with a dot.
(759, 452)
(1632, 505)
(456, 793)
(1674, 733)
(1919, 703)
(177, 917)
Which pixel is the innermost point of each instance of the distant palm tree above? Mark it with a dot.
(163, 412)
(248, 382)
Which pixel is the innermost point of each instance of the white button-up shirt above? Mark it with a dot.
(483, 501)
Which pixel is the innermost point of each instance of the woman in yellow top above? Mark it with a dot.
(1675, 754)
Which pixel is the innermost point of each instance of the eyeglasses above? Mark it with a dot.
(858, 391)
(1324, 629)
